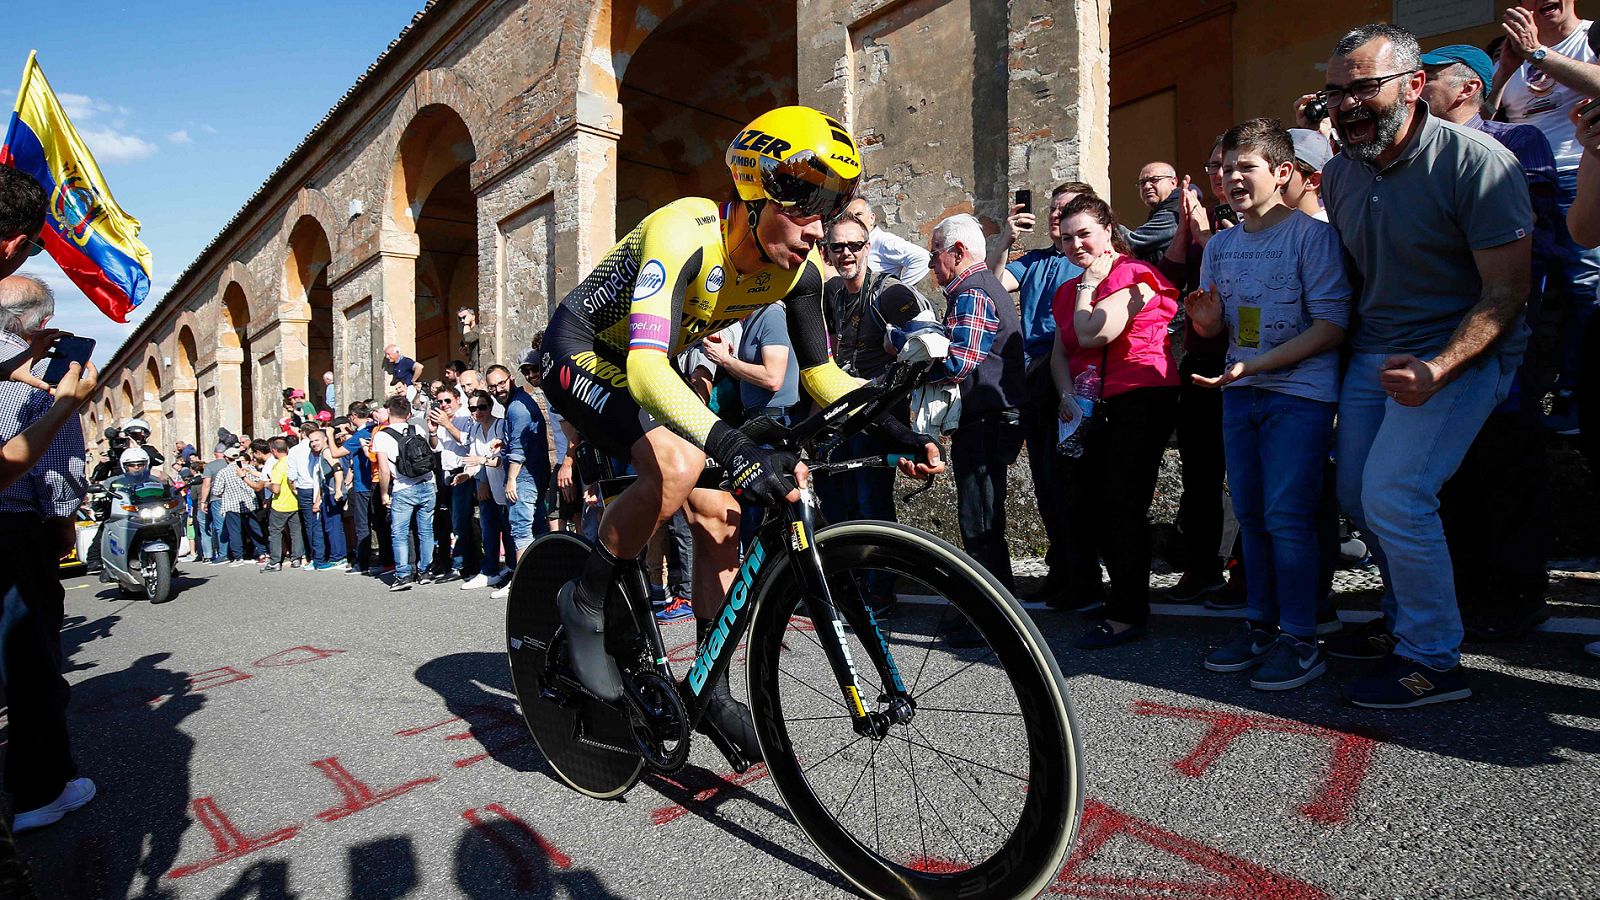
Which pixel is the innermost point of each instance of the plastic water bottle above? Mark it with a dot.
(1086, 390)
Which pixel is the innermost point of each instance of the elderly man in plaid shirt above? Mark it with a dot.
(986, 360)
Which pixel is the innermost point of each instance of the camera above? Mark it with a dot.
(1315, 110)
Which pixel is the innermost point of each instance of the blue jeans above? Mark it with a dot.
(217, 525)
(329, 523)
(416, 502)
(463, 500)
(496, 536)
(234, 521)
(527, 514)
(1574, 276)
(1276, 447)
(309, 524)
(1392, 460)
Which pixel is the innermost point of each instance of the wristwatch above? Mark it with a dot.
(1538, 55)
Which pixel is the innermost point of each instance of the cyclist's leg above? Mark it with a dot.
(714, 520)
(667, 467)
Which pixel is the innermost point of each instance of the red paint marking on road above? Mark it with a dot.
(357, 795)
(304, 654)
(526, 878)
(493, 720)
(212, 678)
(934, 865)
(667, 814)
(230, 842)
(411, 732)
(1347, 767)
(1237, 879)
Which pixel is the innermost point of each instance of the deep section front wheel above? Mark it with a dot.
(979, 793)
(589, 745)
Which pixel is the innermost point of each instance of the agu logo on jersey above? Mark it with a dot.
(652, 278)
(714, 280)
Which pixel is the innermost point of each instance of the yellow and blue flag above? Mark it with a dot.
(91, 238)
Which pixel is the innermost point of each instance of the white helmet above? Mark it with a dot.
(136, 425)
(134, 455)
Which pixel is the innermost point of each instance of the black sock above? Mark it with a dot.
(595, 579)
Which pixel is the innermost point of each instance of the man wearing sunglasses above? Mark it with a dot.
(1436, 220)
(687, 270)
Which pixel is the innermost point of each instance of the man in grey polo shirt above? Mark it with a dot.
(1437, 222)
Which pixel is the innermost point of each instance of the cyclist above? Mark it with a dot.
(690, 269)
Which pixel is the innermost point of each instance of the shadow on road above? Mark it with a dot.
(477, 688)
(384, 869)
(126, 737)
(500, 858)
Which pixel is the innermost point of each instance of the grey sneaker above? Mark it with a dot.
(1243, 650)
(1290, 664)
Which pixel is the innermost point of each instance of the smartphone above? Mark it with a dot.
(68, 349)
(1024, 199)
(1583, 109)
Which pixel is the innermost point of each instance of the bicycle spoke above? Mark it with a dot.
(971, 762)
(946, 680)
(859, 739)
(981, 801)
(972, 712)
(940, 816)
(796, 679)
(854, 787)
(928, 650)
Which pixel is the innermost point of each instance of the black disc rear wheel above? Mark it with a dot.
(588, 743)
(979, 793)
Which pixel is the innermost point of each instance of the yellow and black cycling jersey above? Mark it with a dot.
(665, 285)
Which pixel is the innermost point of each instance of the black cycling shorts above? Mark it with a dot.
(589, 387)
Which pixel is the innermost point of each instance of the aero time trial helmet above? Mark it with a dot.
(798, 158)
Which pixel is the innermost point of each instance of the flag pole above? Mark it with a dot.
(22, 91)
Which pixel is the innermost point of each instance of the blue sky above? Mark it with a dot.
(187, 107)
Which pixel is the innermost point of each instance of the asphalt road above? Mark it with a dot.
(310, 735)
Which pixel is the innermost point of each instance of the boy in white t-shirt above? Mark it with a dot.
(1277, 286)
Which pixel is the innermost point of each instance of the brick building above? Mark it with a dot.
(498, 147)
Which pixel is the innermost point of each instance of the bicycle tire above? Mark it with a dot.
(588, 744)
(1051, 799)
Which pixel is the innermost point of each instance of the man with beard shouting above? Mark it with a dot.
(1436, 219)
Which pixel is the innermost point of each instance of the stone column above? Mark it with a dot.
(397, 263)
(184, 426)
(230, 402)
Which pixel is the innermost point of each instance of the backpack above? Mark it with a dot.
(415, 458)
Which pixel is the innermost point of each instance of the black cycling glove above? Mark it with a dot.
(753, 472)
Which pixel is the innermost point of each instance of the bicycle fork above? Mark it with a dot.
(829, 621)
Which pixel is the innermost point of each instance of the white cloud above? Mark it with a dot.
(109, 145)
(208, 129)
(109, 141)
(181, 136)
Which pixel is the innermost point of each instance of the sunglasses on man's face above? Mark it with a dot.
(35, 246)
(842, 246)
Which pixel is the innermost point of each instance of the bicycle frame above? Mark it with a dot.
(792, 531)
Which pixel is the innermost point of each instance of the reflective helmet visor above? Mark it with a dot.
(804, 185)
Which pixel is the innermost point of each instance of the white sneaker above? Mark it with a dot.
(501, 594)
(77, 793)
(475, 582)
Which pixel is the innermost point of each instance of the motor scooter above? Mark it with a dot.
(142, 536)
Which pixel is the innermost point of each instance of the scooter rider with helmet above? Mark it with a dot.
(135, 462)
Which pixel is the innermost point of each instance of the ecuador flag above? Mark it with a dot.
(93, 240)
